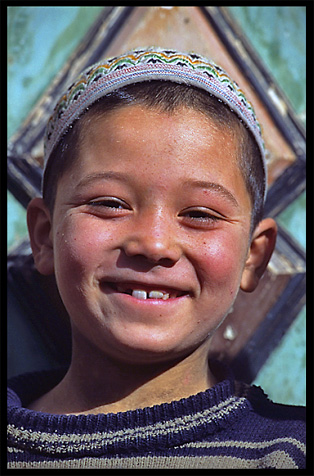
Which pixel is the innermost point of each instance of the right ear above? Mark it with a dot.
(39, 229)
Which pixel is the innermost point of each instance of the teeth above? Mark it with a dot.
(139, 294)
(158, 295)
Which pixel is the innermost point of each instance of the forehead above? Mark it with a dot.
(159, 147)
(185, 134)
(136, 124)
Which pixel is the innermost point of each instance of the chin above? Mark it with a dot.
(153, 351)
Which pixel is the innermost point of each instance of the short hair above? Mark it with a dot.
(168, 97)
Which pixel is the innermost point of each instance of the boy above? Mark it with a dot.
(151, 221)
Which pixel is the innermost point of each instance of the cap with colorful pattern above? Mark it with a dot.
(144, 65)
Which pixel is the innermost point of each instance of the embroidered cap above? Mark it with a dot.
(143, 65)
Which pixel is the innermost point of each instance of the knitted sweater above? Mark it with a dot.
(232, 425)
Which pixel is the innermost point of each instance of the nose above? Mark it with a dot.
(153, 236)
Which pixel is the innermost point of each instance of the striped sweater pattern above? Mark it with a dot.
(230, 426)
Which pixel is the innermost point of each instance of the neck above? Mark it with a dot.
(100, 384)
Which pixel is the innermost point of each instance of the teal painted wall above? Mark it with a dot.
(40, 39)
(278, 35)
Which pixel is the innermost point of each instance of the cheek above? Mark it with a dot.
(79, 244)
(222, 261)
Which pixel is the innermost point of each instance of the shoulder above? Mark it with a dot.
(23, 389)
(275, 420)
(278, 426)
(266, 408)
(274, 414)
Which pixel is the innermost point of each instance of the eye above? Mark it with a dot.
(110, 206)
(200, 217)
(109, 202)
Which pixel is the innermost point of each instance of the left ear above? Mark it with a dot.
(261, 248)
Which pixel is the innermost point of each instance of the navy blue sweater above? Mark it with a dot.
(232, 425)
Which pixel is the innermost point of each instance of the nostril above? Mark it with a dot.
(153, 251)
(154, 260)
(166, 262)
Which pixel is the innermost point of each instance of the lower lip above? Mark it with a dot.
(152, 302)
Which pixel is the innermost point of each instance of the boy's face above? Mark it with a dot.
(154, 202)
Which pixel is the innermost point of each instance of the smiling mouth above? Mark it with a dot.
(143, 293)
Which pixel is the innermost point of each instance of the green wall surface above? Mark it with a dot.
(41, 39)
(278, 35)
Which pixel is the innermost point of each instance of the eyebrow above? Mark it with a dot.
(110, 175)
(216, 187)
(101, 176)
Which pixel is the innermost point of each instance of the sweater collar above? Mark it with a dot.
(167, 424)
